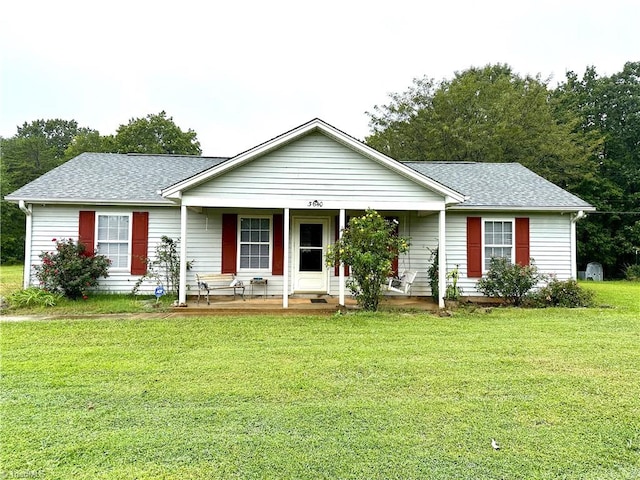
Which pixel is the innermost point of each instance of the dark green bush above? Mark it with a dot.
(632, 272)
(509, 281)
(566, 293)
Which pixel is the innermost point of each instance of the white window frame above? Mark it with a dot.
(511, 220)
(129, 237)
(240, 243)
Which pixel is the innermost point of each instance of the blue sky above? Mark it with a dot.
(239, 73)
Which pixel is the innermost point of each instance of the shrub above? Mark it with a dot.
(434, 273)
(453, 291)
(567, 294)
(368, 245)
(632, 272)
(509, 281)
(71, 270)
(165, 268)
(32, 297)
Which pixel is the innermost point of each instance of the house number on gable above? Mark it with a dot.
(315, 203)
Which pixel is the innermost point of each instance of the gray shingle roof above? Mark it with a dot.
(498, 185)
(131, 178)
(113, 177)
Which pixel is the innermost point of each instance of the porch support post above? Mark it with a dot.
(341, 279)
(442, 258)
(26, 278)
(574, 250)
(285, 262)
(182, 293)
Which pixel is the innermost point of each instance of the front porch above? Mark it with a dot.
(312, 304)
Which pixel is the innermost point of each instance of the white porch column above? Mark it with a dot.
(341, 279)
(182, 293)
(27, 209)
(442, 258)
(285, 263)
(574, 251)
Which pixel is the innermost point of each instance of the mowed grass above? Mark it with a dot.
(10, 278)
(356, 396)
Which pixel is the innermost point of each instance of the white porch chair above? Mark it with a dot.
(402, 284)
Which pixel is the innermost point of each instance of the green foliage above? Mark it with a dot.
(509, 281)
(368, 245)
(608, 108)
(632, 272)
(433, 273)
(164, 269)
(33, 297)
(156, 134)
(453, 291)
(487, 114)
(71, 269)
(36, 148)
(557, 293)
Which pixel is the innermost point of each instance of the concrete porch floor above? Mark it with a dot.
(259, 304)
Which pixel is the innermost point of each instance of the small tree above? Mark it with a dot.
(71, 269)
(508, 280)
(368, 245)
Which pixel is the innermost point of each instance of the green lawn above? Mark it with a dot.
(10, 278)
(356, 396)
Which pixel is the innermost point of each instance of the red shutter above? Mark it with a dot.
(139, 243)
(87, 230)
(229, 242)
(522, 241)
(474, 247)
(277, 265)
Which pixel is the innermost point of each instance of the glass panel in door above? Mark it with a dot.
(310, 255)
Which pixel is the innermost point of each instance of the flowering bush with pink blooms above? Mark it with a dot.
(71, 270)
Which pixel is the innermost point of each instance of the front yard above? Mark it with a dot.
(355, 396)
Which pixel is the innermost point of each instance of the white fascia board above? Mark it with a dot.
(502, 208)
(277, 201)
(92, 201)
(452, 195)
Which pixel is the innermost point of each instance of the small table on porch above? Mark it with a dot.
(262, 282)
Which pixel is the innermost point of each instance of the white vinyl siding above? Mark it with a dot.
(316, 169)
(549, 244)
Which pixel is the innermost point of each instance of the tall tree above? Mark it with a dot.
(156, 134)
(608, 107)
(36, 148)
(487, 114)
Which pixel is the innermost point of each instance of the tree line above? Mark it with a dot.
(583, 135)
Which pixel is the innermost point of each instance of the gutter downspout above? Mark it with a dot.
(26, 276)
(574, 243)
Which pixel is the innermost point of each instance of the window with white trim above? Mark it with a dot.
(255, 243)
(113, 239)
(498, 240)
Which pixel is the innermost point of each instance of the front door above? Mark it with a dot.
(310, 244)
